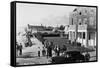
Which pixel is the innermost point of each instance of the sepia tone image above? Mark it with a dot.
(55, 34)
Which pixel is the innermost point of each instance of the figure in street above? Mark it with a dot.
(38, 51)
(20, 49)
(43, 51)
(87, 56)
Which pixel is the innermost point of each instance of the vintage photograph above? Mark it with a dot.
(55, 34)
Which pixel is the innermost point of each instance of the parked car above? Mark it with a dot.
(69, 57)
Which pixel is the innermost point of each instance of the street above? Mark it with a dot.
(30, 55)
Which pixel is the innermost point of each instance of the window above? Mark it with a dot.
(85, 20)
(83, 35)
(85, 11)
(79, 34)
(80, 13)
(79, 21)
(89, 36)
(72, 21)
(91, 22)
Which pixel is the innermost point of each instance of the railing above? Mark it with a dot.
(80, 27)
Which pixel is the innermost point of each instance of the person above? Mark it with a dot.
(38, 51)
(46, 45)
(57, 50)
(43, 51)
(49, 49)
(17, 49)
(87, 56)
(64, 48)
(51, 46)
(20, 49)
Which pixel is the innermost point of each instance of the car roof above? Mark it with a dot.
(72, 52)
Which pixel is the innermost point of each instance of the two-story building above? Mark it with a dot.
(82, 26)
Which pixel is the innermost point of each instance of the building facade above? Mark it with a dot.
(82, 26)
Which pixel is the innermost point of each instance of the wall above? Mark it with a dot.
(83, 15)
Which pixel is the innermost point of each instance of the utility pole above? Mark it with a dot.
(76, 33)
(76, 29)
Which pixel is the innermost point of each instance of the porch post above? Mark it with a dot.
(69, 35)
(86, 37)
(95, 44)
(76, 33)
(82, 37)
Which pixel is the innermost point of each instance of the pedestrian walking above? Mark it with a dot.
(57, 50)
(43, 51)
(50, 48)
(20, 49)
(64, 48)
(46, 45)
(38, 51)
(17, 49)
(87, 56)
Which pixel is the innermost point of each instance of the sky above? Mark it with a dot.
(37, 14)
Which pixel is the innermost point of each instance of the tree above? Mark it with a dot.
(62, 27)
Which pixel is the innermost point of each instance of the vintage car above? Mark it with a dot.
(68, 57)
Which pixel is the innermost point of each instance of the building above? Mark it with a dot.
(42, 29)
(82, 26)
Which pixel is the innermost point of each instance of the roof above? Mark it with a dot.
(40, 28)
